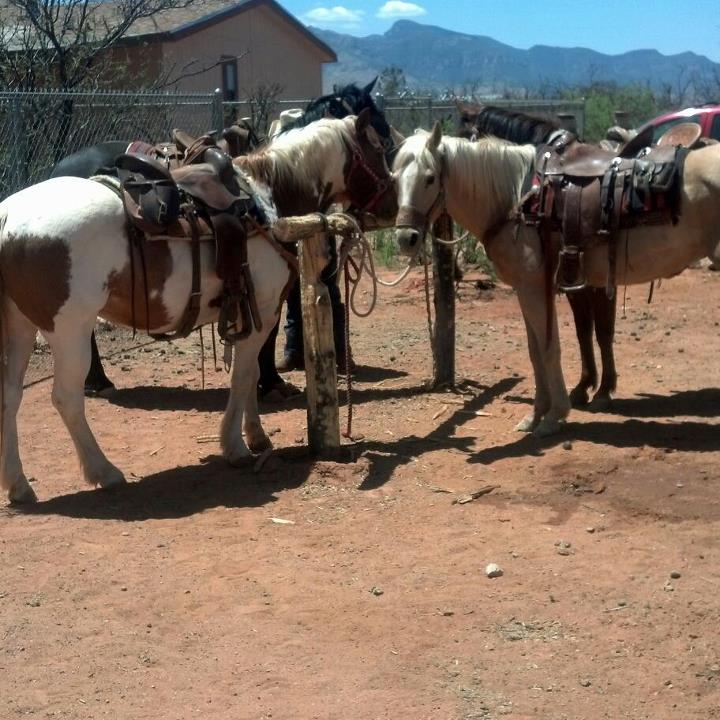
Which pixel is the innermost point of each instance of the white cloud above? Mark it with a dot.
(400, 9)
(337, 15)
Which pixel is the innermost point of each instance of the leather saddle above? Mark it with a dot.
(589, 193)
(201, 195)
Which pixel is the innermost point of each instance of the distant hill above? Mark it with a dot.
(433, 57)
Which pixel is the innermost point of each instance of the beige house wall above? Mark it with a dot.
(276, 53)
(132, 67)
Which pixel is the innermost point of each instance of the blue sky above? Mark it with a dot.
(610, 26)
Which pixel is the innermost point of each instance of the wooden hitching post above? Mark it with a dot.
(444, 301)
(320, 364)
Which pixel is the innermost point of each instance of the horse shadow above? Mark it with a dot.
(164, 398)
(682, 436)
(187, 490)
(704, 402)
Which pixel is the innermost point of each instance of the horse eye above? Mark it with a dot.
(430, 179)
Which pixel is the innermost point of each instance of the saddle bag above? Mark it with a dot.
(151, 197)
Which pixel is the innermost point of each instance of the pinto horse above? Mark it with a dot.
(592, 309)
(479, 184)
(72, 234)
(100, 159)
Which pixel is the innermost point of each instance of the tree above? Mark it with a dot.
(392, 82)
(67, 44)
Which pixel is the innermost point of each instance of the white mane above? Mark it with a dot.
(306, 150)
(483, 179)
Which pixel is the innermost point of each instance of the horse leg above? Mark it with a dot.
(581, 303)
(242, 405)
(71, 350)
(604, 310)
(541, 403)
(97, 383)
(18, 341)
(534, 305)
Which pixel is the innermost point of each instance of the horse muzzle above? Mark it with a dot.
(410, 226)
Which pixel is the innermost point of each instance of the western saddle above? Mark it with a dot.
(589, 194)
(189, 190)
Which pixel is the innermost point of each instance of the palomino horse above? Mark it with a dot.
(64, 259)
(591, 307)
(480, 184)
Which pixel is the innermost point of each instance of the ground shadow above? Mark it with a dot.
(686, 436)
(184, 491)
(190, 489)
(386, 457)
(162, 398)
(695, 403)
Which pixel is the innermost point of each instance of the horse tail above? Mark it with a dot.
(3, 220)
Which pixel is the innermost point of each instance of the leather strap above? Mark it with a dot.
(192, 309)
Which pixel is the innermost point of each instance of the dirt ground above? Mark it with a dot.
(357, 589)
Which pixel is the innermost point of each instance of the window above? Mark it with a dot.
(661, 129)
(229, 79)
(715, 128)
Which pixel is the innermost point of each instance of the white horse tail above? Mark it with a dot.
(3, 220)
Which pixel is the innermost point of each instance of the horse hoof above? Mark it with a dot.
(601, 403)
(260, 445)
(547, 427)
(579, 397)
(526, 424)
(112, 479)
(22, 494)
(101, 390)
(238, 457)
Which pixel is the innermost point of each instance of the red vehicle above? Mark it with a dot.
(707, 116)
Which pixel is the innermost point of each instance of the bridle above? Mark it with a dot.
(361, 170)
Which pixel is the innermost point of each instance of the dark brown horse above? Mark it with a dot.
(592, 309)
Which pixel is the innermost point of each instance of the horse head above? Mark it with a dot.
(467, 125)
(367, 177)
(418, 177)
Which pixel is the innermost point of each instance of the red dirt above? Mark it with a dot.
(179, 597)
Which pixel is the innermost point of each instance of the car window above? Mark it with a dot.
(715, 128)
(661, 129)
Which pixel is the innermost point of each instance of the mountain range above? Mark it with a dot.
(435, 58)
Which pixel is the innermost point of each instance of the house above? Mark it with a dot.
(234, 46)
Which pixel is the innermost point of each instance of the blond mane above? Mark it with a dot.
(483, 179)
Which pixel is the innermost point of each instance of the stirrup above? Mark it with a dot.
(571, 270)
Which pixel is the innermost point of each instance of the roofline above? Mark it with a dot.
(223, 14)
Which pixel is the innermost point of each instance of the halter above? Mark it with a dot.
(410, 217)
(358, 164)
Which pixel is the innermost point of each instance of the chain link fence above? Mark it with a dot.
(38, 129)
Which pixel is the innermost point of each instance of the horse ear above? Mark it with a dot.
(369, 87)
(363, 121)
(397, 137)
(433, 141)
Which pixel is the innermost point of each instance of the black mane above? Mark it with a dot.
(509, 125)
(343, 101)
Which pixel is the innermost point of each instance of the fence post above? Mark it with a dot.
(18, 146)
(323, 415)
(444, 301)
(218, 122)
